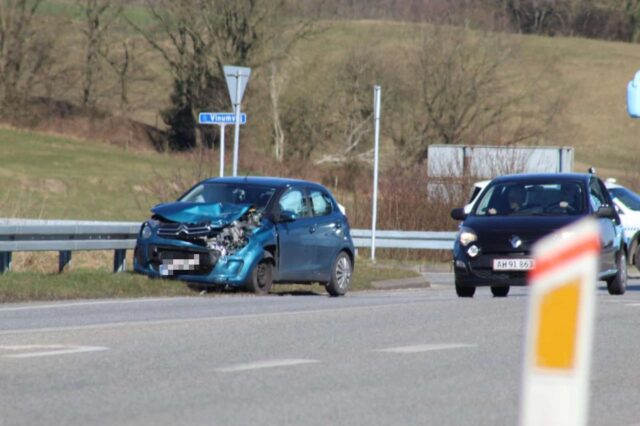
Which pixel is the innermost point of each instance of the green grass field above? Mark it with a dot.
(52, 177)
(98, 284)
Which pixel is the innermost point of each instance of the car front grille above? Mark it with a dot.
(183, 230)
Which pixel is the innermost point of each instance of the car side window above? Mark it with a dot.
(596, 197)
(294, 201)
(321, 204)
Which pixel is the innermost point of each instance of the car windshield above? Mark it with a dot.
(531, 199)
(210, 192)
(627, 197)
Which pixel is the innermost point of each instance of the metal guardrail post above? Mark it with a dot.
(64, 260)
(120, 261)
(5, 262)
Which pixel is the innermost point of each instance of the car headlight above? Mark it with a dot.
(467, 236)
(146, 232)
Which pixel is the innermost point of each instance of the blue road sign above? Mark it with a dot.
(220, 118)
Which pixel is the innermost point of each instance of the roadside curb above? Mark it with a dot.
(402, 283)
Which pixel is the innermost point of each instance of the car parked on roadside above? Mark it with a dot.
(475, 192)
(249, 232)
(628, 204)
(493, 246)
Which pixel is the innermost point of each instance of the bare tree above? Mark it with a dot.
(352, 108)
(197, 37)
(99, 16)
(279, 60)
(466, 96)
(124, 64)
(277, 80)
(24, 52)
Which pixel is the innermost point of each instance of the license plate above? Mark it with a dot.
(170, 265)
(513, 264)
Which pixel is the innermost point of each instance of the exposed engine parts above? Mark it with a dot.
(221, 242)
(228, 240)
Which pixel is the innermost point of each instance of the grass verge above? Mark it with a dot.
(365, 272)
(92, 284)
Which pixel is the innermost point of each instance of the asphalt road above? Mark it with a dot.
(397, 357)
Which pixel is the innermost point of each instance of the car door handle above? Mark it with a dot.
(313, 229)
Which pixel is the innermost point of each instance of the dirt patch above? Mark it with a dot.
(65, 118)
(55, 186)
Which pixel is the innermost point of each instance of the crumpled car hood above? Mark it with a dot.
(217, 214)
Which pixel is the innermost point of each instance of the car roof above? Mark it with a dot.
(481, 184)
(543, 177)
(264, 180)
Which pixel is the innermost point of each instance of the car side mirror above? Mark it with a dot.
(606, 212)
(287, 216)
(458, 214)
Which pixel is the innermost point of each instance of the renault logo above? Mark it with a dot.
(515, 241)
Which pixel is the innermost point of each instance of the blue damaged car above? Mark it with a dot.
(249, 232)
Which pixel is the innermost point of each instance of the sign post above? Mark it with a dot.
(560, 327)
(222, 132)
(221, 119)
(237, 79)
(376, 143)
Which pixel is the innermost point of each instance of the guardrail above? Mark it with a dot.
(66, 236)
(425, 240)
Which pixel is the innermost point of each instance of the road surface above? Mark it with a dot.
(371, 358)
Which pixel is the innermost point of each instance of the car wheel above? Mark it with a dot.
(465, 291)
(500, 291)
(618, 284)
(340, 280)
(261, 279)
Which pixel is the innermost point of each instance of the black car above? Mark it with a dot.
(493, 247)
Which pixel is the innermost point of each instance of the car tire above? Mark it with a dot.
(261, 279)
(465, 291)
(341, 272)
(501, 291)
(618, 284)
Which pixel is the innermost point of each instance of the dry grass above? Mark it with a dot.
(97, 284)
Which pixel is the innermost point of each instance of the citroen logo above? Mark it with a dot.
(183, 230)
(515, 241)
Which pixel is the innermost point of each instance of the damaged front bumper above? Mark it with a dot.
(168, 258)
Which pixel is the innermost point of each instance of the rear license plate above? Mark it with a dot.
(513, 264)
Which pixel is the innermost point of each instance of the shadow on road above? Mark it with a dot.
(298, 293)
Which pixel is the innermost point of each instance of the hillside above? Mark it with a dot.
(590, 77)
(46, 176)
(58, 177)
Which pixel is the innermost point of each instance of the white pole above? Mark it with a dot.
(374, 213)
(222, 132)
(236, 139)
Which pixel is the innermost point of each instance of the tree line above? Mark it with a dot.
(451, 86)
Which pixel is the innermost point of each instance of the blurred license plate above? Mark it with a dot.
(513, 264)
